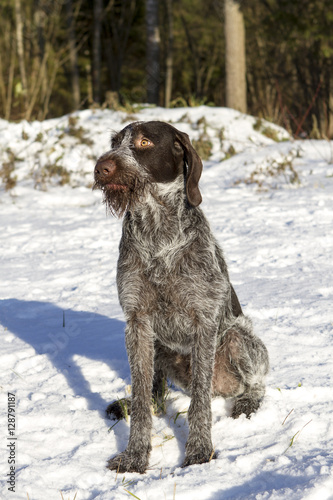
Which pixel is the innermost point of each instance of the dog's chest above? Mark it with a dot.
(164, 258)
(177, 256)
(180, 284)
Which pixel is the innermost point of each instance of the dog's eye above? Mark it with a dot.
(145, 142)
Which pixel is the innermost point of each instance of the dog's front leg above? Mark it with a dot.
(140, 350)
(199, 448)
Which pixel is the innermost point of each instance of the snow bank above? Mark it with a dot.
(269, 201)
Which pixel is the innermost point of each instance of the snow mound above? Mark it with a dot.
(269, 201)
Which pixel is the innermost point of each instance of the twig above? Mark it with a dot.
(118, 469)
(211, 455)
(295, 436)
(309, 109)
(287, 416)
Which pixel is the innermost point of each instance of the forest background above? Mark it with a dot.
(57, 56)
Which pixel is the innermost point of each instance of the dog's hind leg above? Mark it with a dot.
(172, 365)
(241, 364)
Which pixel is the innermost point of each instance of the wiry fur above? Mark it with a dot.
(118, 201)
(183, 318)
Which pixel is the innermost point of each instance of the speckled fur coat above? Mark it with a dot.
(183, 318)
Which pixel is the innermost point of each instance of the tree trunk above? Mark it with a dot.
(194, 57)
(329, 105)
(96, 77)
(2, 89)
(235, 56)
(118, 25)
(75, 77)
(169, 55)
(10, 84)
(153, 52)
(90, 96)
(20, 48)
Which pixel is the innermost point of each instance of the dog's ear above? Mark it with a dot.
(194, 169)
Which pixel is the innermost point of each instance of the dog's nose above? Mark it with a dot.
(105, 168)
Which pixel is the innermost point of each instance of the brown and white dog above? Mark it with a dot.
(183, 318)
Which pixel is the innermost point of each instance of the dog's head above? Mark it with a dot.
(145, 154)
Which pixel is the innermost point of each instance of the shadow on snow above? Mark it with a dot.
(86, 334)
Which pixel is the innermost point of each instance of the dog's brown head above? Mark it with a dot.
(144, 154)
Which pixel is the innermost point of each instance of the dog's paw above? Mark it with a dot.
(245, 404)
(129, 462)
(119, 409)
(199, 458)
(198, 453)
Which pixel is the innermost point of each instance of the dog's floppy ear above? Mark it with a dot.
(194, 169)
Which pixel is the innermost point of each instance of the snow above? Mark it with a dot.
(62, 329)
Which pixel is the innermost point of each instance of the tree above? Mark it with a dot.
(169, 54)
(119, 17)
(198, 52)
(235, 66)
(153, 52)
(96, 52)
(74, 69)
(290, 63)
(58, 55)
(20, 48)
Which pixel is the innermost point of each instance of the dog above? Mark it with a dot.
(184, 321)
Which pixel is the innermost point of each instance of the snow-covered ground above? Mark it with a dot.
(61, 328)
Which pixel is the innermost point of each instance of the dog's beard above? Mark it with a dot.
(122, 197)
